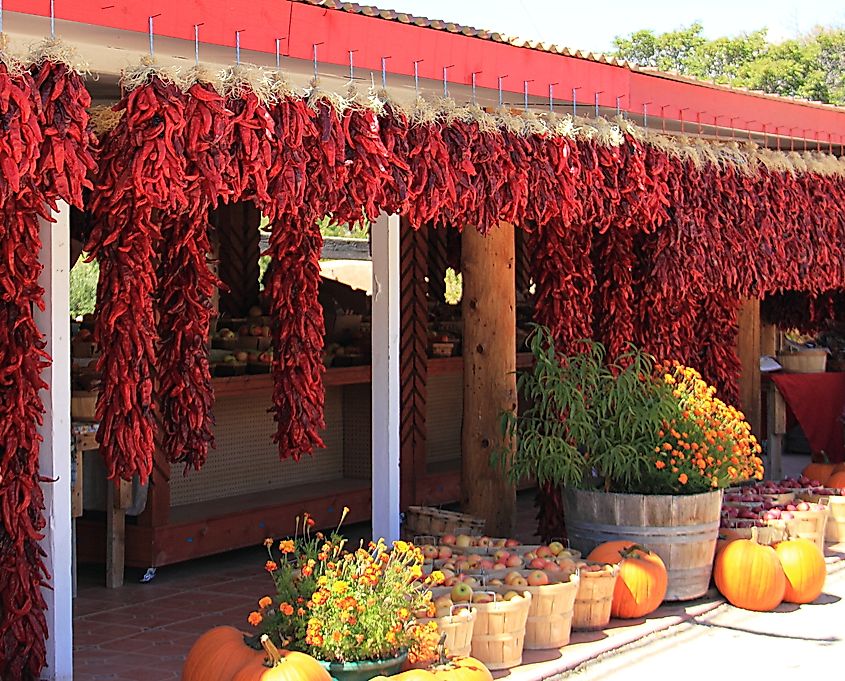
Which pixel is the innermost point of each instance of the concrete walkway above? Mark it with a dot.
(729, 643)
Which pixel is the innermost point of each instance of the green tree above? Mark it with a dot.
(811, 66)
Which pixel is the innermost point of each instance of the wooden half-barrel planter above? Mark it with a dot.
(681, 529)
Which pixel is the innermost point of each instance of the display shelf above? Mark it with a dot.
(252, 383)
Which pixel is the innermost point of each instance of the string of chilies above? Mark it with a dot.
(44, 158)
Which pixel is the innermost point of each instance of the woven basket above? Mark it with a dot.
(805, 525)
(593, 600)
(549, 622)
(834, 532)
(458, 628)
(809, 361)
(417, 520)
(499, 634)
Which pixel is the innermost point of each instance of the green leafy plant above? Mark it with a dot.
(585, 421)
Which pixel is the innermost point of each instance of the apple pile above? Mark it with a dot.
(733, 516)
(465, 541)
(502, 559)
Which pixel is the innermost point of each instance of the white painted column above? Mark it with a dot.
(54, 460)
(385, 383)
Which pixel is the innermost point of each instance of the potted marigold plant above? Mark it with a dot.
(362, 613)
(626, 449)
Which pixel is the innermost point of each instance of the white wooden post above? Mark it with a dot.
(54, 460)
(385, 381)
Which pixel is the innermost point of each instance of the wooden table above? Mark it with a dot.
(776, 427)
(119, 498)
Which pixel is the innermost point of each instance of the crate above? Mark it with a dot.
(809, 361)
(458, 627)
(498, 637)
(834, 532)
(594, 599)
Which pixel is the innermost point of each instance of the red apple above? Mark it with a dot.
(538, 578)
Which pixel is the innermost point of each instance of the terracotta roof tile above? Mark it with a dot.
(451, 27)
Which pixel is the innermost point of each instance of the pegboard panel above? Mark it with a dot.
(444, 408)
(246, 460)
(357, 432)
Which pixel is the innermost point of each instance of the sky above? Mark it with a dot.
(591, 25)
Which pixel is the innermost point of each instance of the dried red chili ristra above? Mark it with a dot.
(717, 331)
(368, 162)
(142, 173)
(186, 285)
(248, 148)
(23, 573)
(396, 196)
(65, 157)
(460, 137)
(433, 182)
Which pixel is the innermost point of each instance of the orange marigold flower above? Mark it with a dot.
(307, 571)
(660, 465)
(310, 522)
(265, 602)
(271, 566)
(300, 612)
(682, 478)
(255, 618)
(268, 542)
(286, 609)
(667, 446)
(287, 546)
(336, 636)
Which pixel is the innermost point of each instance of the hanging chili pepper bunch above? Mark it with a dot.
(186, 284)
(433, 183)
(394, 126)
(460, 136)
(313, 163)
(23, 627)
(141, 176)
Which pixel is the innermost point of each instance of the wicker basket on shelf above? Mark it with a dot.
(834, 532)
(808, 361)
(458, 627)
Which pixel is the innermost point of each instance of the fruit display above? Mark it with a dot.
(750, 575)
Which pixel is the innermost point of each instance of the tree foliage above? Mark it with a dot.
(811, 66)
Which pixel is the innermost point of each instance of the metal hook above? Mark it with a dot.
(619, 98)
(698, 120)
(351, 66)
(681, 118)
(417, 75)
(314, 46)
(197, 43)
(152, 47)
(500, 79)
(600, 92)
(473, 76)
(748, 123)
(777, 135)
(53, 19)
(525, 94)
(830, 143)
(731, 119)
(238, 46)
(663, 108)
(575, 101)
(552, 97)
(384, 72)
(645, 114)
(445, 81)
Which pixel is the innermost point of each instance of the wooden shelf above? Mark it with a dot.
(454, 365)
(262, 383)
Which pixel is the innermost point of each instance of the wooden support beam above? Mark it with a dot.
(489, 343)
(115, 533)
(748, 351)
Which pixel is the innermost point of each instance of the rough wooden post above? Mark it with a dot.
(748, 350)
(489, 348)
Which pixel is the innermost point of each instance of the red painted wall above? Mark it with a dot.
(302, 25)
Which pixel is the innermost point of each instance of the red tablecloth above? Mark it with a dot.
(817, 400)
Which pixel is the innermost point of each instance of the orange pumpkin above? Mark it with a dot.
(750, 575)
(836, 480)
(819, 471)
(220, 654)
(805, 569)
(641, 586)
(445, 669)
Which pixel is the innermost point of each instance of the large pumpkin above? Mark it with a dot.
(750, 575)
(805, 569)
(641, 586)
(819, 471)
(836, 480)
(220, 654)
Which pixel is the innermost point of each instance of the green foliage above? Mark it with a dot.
(812, 66)
(83, 287)
(585, 420)
(329, 228)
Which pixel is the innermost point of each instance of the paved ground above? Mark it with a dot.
(735, 644)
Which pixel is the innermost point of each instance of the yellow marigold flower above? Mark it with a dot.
(287, 546)
(340, 587)
(265, 602)
(436, 577)
(400, 546)
(255, 618)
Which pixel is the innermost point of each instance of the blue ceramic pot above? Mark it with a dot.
(365, 669)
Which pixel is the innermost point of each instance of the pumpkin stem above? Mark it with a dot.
(441, 650)
(274, 656)
(632, 549)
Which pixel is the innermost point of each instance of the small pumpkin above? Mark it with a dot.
(750, 575)
(643, 580)
(805, 569)
(220, 654)
(819, 471)
(836, 480)
(282, 665)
